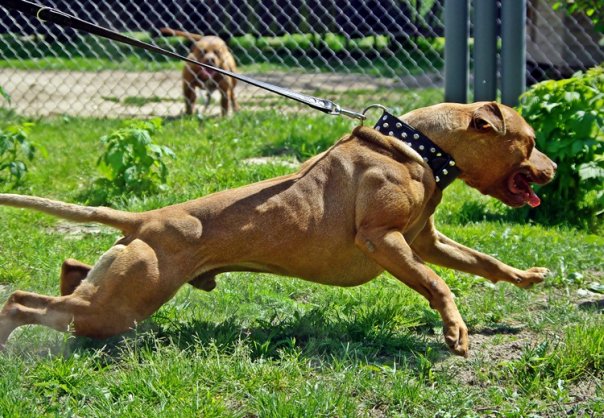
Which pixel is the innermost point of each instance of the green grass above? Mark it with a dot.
(263, 345)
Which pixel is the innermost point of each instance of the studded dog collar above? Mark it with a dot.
(442, 164)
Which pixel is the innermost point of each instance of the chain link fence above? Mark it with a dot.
(353, 52)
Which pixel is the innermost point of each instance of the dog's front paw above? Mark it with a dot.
(529, 277)
(456, 337)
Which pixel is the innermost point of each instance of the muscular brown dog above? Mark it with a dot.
(364, 206)
(213, 51)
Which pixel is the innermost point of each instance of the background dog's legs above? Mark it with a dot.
(208, 100)
(389, 249)
(72, 274)
(436, 248)
(224, 102)
(234, 103)
(189, 84)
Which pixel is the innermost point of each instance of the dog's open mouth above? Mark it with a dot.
(519, 185)
(208, 71)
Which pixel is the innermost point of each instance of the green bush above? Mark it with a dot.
(15, 150)
(568, 118)
(131, 162)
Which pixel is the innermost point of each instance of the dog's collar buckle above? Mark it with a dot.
(442, 164)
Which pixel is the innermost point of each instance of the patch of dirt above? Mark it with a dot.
(289, 163)
(104, 93)
(78, 230)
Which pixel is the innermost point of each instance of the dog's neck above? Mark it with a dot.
(442, 164)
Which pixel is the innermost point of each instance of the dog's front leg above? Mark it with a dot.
(434, 247)
(389, 249)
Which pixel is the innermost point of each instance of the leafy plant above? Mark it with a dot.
(132, 163)
(15, 150)
(593, 9)
(4, 94)
(568, 118)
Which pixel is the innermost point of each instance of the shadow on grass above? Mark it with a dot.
(312, 334)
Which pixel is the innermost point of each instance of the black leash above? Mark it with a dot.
(442, 164)
(49, 14)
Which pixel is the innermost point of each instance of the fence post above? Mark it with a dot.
(456, 50)
(513, 50)
(485, 50)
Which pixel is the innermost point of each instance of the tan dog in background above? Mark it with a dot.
(213, 51)
(364, 206)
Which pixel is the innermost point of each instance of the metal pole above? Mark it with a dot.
(513, 50)
(485, 50)
(457, 27)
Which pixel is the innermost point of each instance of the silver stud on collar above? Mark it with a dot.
(432, 150)
(386, 125)
(445, 171)
(390, 133)
(377, 128)
(437, 179)
(415, 136)
(421, 147)
(451, 163)
(399, 125)
(426, 159)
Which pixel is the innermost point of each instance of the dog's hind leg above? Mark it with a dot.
(120, 290)
(24, 308)
(72, 274)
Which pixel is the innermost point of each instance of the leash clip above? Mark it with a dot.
(40, 10)
(372, 106)
(354, 115)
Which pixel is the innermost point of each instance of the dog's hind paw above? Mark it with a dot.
(6, 328)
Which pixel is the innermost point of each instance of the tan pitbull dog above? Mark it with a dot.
(213, 51)
(364, 206)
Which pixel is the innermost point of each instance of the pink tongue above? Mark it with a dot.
(533, 200)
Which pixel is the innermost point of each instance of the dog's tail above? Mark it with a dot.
(124, 221)
(188, 35)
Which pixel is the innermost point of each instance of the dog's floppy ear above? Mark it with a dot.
(487, 117)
